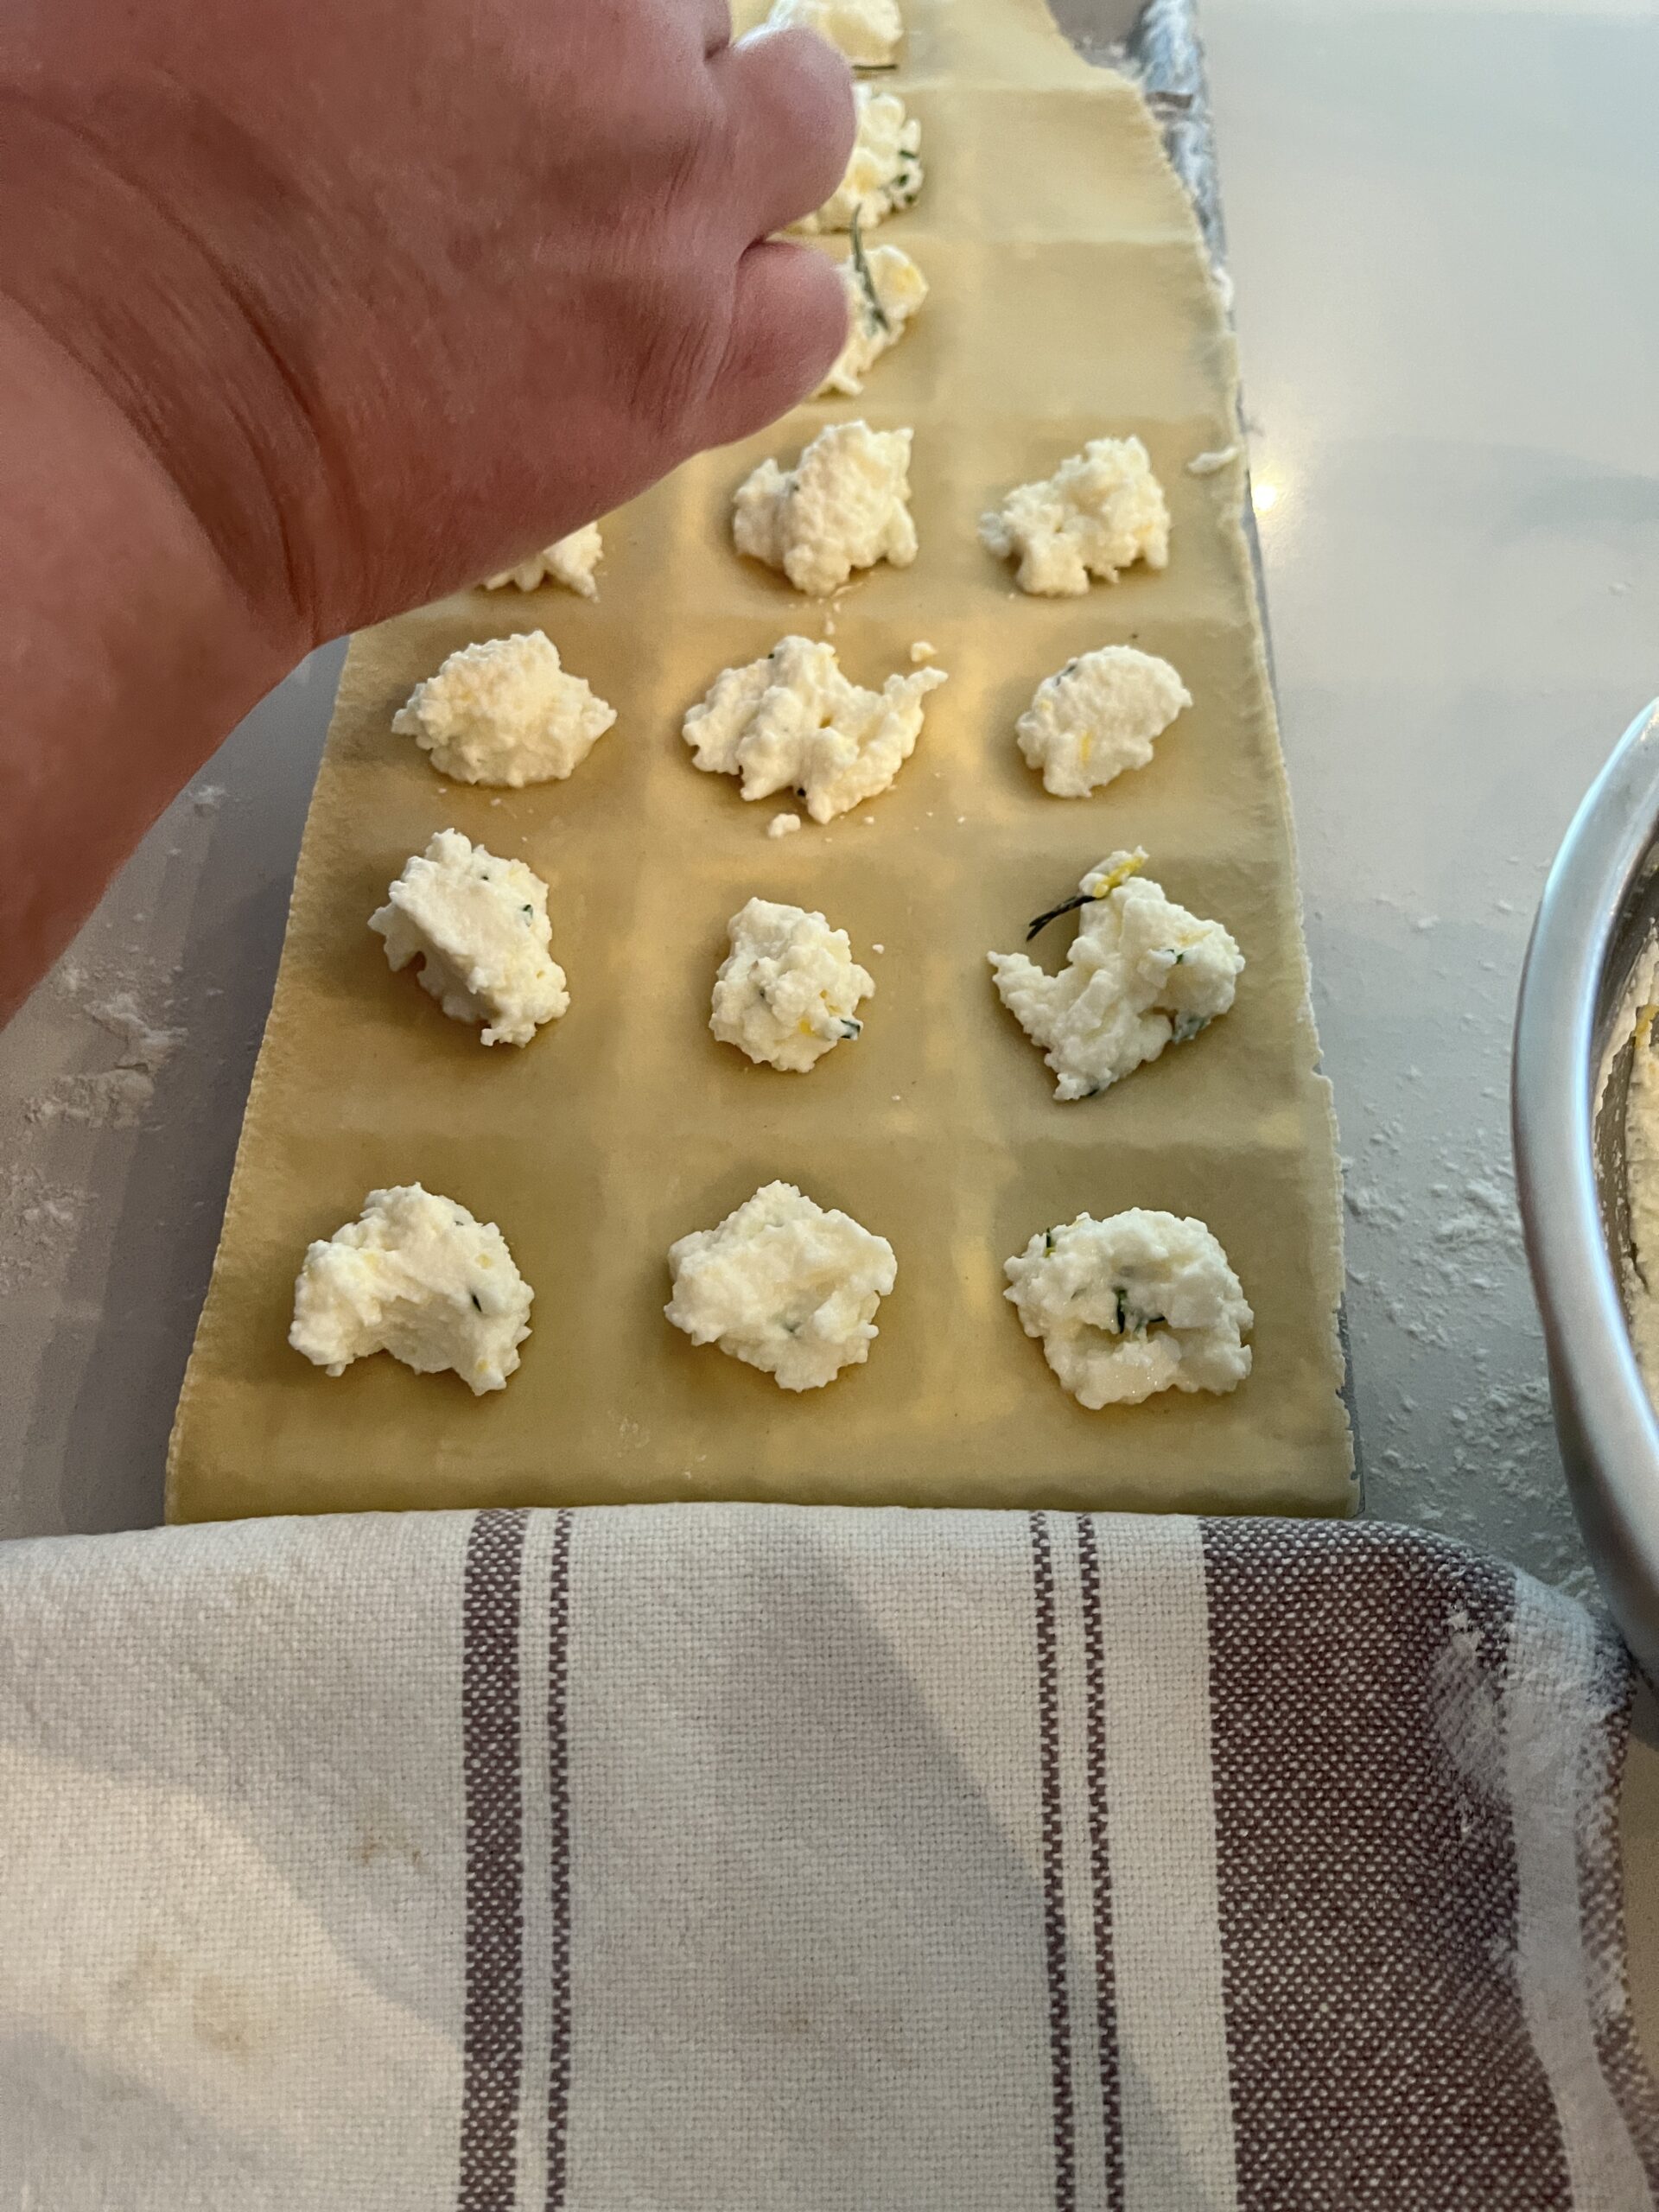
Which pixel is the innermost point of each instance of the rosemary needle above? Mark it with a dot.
(1067, 907)
(1103, 886)
(866, 281)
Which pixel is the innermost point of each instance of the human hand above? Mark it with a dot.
(395, 289)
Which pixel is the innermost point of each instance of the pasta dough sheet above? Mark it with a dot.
(1071, 298)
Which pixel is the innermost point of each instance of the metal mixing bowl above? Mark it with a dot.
(1600, 907)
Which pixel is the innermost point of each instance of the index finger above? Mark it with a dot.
(789, 98)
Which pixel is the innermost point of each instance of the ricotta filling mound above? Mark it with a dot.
(784, 1285)
(571, 561)
(845, 505)
(418, 1276)
(788, 990)
(1101, 511)
(866, 32)
(478, 924)
(791, 721)
(884, 289)
(1142, 973)
(883, 171)
(504, 712)
(1141, 1302)
(1097, 716)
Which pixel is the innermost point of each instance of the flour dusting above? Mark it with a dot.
(1639, 1266)
(118, 1097)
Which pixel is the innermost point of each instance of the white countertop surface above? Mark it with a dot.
(1443, 225)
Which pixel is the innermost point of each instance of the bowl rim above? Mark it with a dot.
(1606, 1423)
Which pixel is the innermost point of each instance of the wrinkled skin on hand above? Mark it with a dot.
(396, 290)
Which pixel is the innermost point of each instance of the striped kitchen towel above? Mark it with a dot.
(755, 1859)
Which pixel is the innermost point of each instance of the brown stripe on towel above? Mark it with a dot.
(1601, 1908)
(1054, 1943)
(494, 2027)
(558, 1770)
(1100, 1875)
(1377, 2048)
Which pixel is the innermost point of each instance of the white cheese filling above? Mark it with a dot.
(1101, 511)
(418, 1276)
(1097, 716)
(791, 721)
(788, 991)
(504, 712)
(478, 924)
(884, 172)
(845, 505)
(784, 1285)
(1126, 1307)
(867, 32)
(571, 561)
(1142, 973)
(884, 289)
